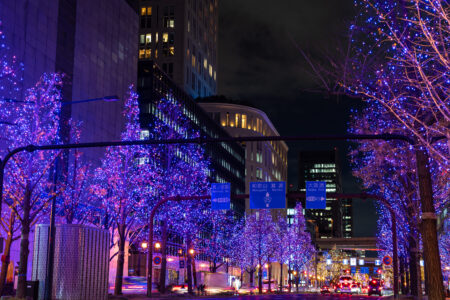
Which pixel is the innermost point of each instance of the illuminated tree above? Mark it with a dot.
(258, 230)
(219, 243)
(178, 170)
(389, 169)
(29, 188)
(122, 183)
(74, 202)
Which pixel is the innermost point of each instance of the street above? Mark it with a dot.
(298, 297)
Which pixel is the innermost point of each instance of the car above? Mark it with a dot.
(247, 290)
(181, 289)
(345, 284)
(325, 289)
(355, 288)
(375, 287)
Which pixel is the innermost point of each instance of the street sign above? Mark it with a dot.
(220, 196)
(329, 261)
(387, 260)
(377, 262)
(364, 270)
(157, 260)
(267, 195)
(361, 262)
(353, 270)
(345, 261)
(353, 261)
(316, 195)
(181, 264)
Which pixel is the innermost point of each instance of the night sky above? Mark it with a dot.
(259, 63)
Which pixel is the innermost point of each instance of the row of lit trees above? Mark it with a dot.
(267, 238)
(397, 61)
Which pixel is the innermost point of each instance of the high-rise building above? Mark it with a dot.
(336, 219)
(92, 42)
(264, 161)
(181, 37)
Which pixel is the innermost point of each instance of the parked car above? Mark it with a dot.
(375, 287)
(180, 289)
(247, 290)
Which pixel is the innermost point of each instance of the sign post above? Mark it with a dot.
(220, 196)
(316, 197)
(267, 195)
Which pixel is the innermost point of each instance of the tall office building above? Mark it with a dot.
(181, 37)
(92, 42)
(336, 219)
(264, 161)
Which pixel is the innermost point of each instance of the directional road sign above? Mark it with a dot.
(268, 194)
(220, 196)
(316, 195)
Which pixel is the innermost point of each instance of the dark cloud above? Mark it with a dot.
(259, 63)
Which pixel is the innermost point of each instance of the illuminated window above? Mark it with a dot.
(156, 53)
(193, 60)
(214, 75)
(165, 37)
(238, 120)
(210, 71)
(244, 121)
(148, 38)
(142, 39)
(148, 53)
(228, 119)
(172, 51)
(143, 11)
(141, 53)
(205, 63)
(156, 37)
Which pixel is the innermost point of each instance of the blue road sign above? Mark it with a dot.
(353, 270)
(268, 194)
(364, 270)
(316, 195)
(220, 196)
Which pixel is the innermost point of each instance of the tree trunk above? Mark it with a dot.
(260, 278)
(281, 277)
(120, 261)
(403, 276)
(162, 277)
(269, 289)
(24, 241)
(297, 279)
(7, 251)
(251, 283)
(289, 277)
(5, 263)
(433, 275)
(189, 268)
(413, 267)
